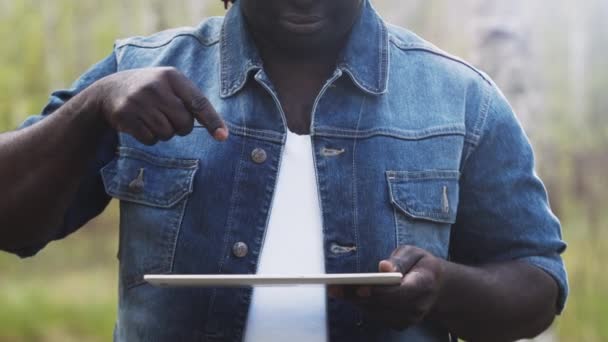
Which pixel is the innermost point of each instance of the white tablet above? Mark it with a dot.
(243, 280)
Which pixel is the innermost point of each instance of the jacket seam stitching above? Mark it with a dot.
(428, 49)
(479, 127)
(133, 41)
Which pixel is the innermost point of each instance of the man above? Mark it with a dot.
(419, 163)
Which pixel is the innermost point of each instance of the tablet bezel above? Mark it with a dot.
(245, 280)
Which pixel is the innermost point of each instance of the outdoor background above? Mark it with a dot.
(549, 56)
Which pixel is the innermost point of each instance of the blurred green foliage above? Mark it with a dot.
(68, 292)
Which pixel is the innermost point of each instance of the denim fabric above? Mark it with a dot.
(411, 146)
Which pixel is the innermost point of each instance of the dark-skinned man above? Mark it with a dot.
(345, 145)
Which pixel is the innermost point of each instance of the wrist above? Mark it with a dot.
(85, 111)
(92, 104)
(446, 268)
(83, 115)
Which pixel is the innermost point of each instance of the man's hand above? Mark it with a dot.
(154, 104)
(503, 301)
(401, 306)
(150, 104)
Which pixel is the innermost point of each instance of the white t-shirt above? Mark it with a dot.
(293, 245)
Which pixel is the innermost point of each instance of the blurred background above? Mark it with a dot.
(549, 56)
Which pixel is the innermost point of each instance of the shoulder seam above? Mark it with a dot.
(131, 41)
(193, 32)
(428, 48)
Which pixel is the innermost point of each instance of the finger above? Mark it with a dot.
(417, 279)
(401, 260)
(179, 117)
(387, 266)
(395, 297)
(157, 123)
(199, 106)
(405, 295)
(143, 134)
(137, 129)
(161, 96)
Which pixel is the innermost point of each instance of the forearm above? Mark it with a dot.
(500, 302)
(42, 166)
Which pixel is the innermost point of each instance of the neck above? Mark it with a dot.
(300, 59)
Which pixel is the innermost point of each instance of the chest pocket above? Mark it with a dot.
(153, 192)
(425, 206)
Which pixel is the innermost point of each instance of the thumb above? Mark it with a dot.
(386, 266)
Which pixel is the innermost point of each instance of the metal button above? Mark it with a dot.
(258, 156)
(240, 249)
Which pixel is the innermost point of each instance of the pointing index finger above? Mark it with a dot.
(199, 106)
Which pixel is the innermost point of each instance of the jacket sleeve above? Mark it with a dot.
(504, 211)
(90, 199)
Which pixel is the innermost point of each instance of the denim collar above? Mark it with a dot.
(365, 57)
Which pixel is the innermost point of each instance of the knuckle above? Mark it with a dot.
(122, 106)
(401, 250)
(129, 100)
(167, 71)
(200, 104)
(148, 88)
(409, 249)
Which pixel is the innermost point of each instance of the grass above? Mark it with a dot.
(586, 314)
(69, 291)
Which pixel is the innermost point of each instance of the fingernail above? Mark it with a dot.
(364, 291)
(221, 134)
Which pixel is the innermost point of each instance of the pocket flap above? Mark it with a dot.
(426, 195)
(139, 177)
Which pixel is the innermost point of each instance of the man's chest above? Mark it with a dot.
(385, 178)
(383, 181)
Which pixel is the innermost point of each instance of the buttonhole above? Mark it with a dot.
(332, 152)
(339, 249)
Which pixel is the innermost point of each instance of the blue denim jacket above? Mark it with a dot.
(411, 146)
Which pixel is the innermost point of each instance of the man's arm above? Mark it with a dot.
(43, 165)
(505, 279)
(499, 302)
